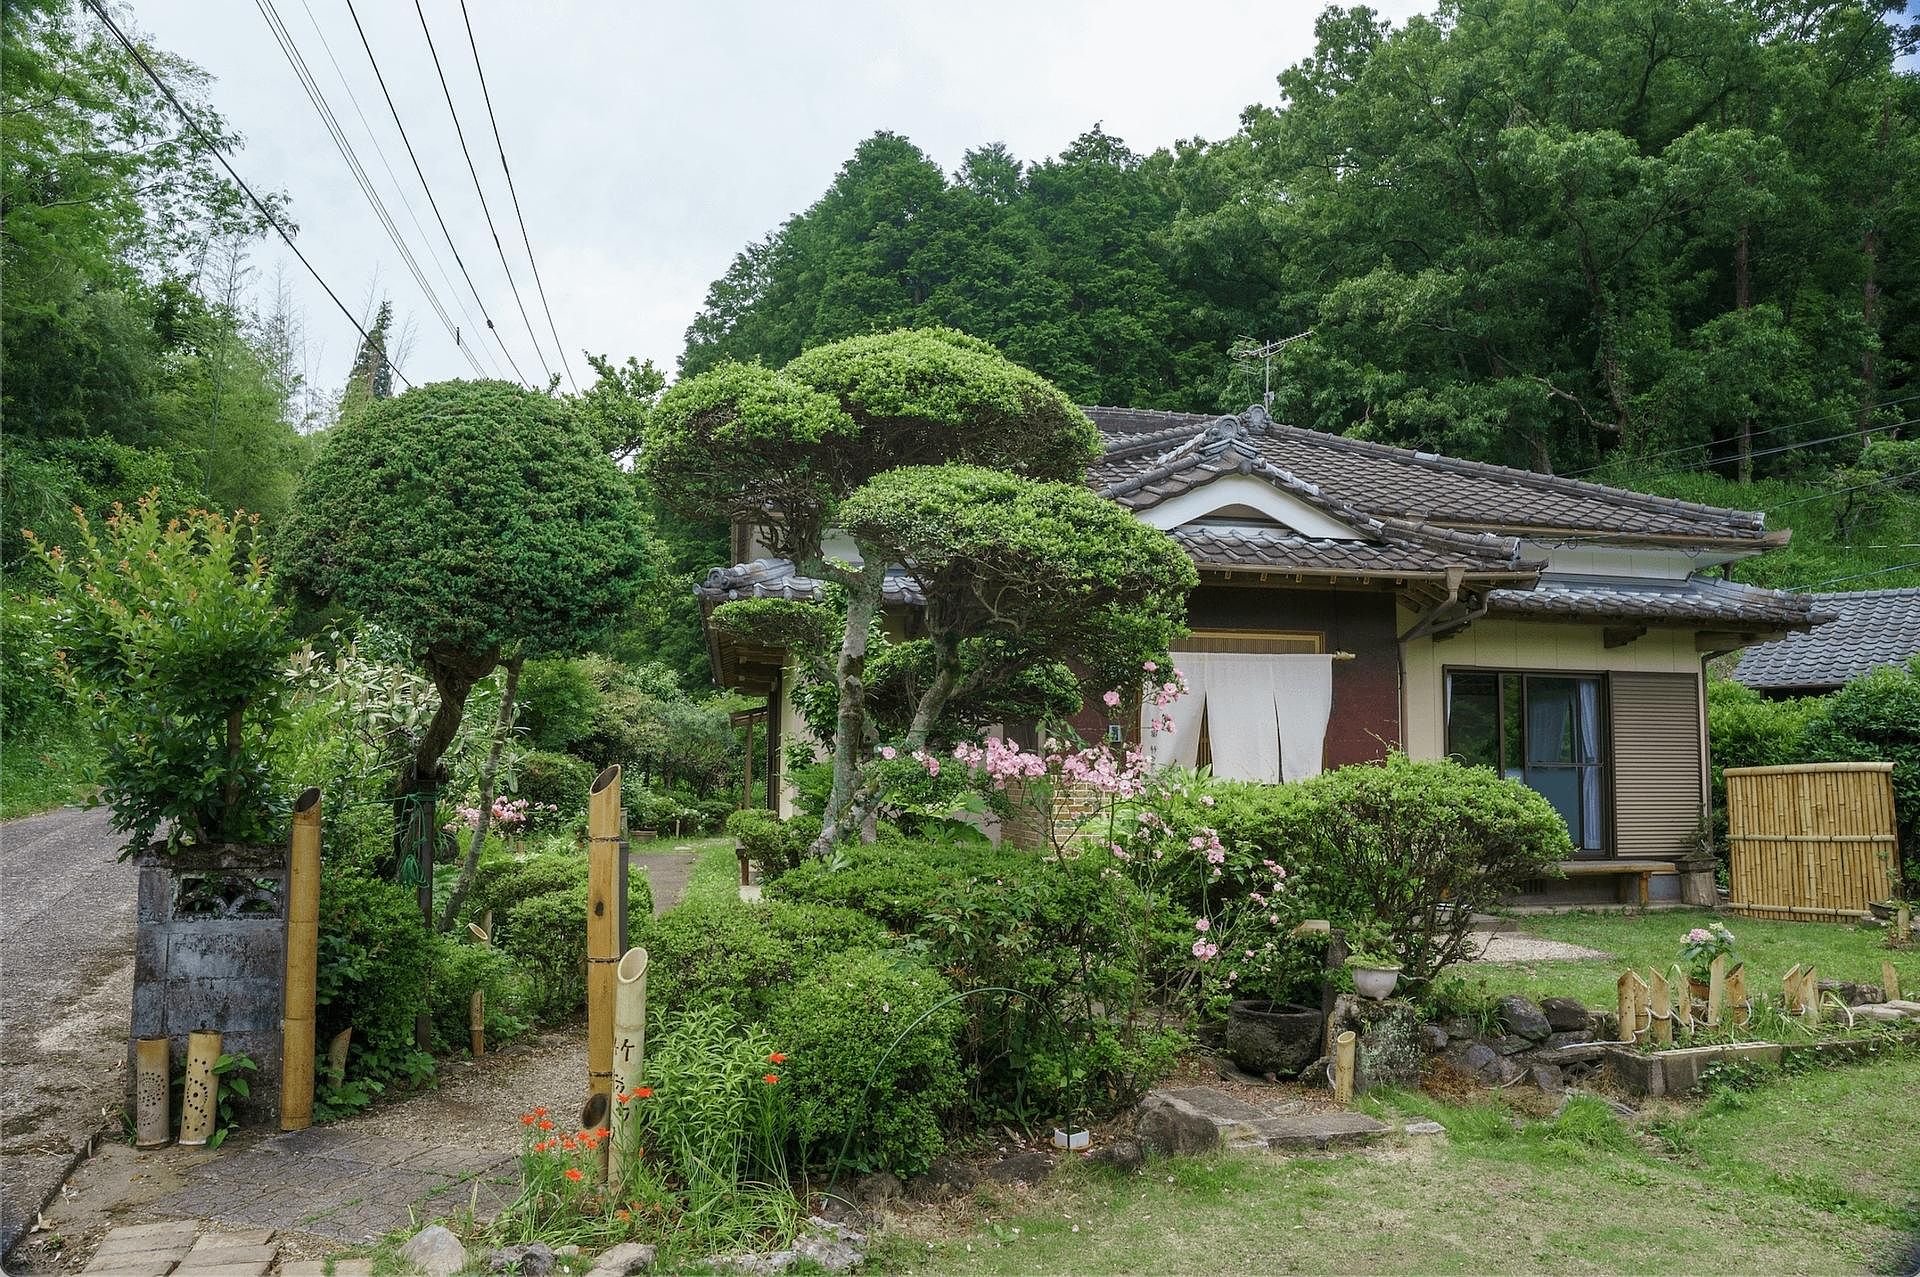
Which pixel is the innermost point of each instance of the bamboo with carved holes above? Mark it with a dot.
(629, 1059)
(1739, 1009)
(152, 1098)
(303, 939)
(1660, 1010)
(603, 926)
(1343, 1060)
(200, 1099)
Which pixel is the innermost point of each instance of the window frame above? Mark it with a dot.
(1602, 764)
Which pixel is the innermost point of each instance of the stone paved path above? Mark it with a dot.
(177, 1248)
(667, 873)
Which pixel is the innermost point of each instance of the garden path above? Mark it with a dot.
(1513, 946)
(667, 873)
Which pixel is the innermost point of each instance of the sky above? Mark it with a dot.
(649, 143)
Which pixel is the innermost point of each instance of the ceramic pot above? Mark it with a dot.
(1375, 982)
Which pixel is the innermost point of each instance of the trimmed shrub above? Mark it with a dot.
(735, 961)
(856, 1013)
(895, 882)
(460, 970)
(502, 881)
(374, 958)
(1748, 730)
(559, 779)
(556, 703)
(773, 845)
(546, 936)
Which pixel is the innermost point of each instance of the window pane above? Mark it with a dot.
(1513, 764)
(1473, 719)
(1551, 709)
(1561, 787)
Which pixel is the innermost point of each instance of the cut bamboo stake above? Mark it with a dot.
(199, 1102)
(303, 937)
(477, 1023)
(1889, 980)
(1683, 1000)
(1903, 926)
(1810, 995)
(1343, 1052)
(1716, 989)
(1790, 990)
(603, 926)
(337, 1055)
(1632, 991)
(1660, 1012)
(1739, 1010)
(153, 1119)
(629, 1057)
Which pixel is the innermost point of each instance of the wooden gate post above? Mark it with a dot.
(603, 927)
(303, 938)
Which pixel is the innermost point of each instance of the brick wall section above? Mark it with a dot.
(1072, 802)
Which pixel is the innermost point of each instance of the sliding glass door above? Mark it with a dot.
(1546, 731)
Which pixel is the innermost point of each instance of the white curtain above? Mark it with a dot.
(1266, 715)
(1589, 723)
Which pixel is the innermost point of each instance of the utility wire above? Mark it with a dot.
(461, 133)
(1858, 487)
(428, 188)
(311, 86)
(1689, 447)
(1860, 576)
(106, 19)
(1776, 448)
(500, 147)
(399, 188)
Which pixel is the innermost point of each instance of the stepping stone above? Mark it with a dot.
(1224, 1109)
(241, 1254)
(318, 1268)
(1319, 1130)
(142, 1250)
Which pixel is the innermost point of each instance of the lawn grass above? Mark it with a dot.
(44, 771)
(1809, 1173)
(1840, 952)
(716, 873)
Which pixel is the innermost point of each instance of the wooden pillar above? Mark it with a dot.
(774, 699)
(303, 938)
(603, 922)
(746, 785)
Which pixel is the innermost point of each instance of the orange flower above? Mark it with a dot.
(573, 1173)
(569, 1143)
(623, 1097)
(546, 1124)
(776, 1058)
(623, 1214)
(526, 1119)
(602, 1133)
(643, 1093)
(771, 1078)
(540, 1112)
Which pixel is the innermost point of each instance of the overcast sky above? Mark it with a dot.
(650, 142)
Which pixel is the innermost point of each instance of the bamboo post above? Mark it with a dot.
(153, 1119)
(1739, 1009)
(1343, 1053)
(477, 1023)
(199, 1103)
(1716, 989)
(603, 925)
(1683, 999)
(303, 938)
(1660, 1011)
(1810, 994)
(1889, 980)
(629, 1057)
(1790, 990)
(1903, 926)
(1632, 992)
(337, 1055)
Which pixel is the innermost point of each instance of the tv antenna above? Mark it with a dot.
(1247, 349)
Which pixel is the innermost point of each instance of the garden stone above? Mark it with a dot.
(1565, 1015)
(1029, 1167)
(1436, 1038)
(947, 1177)
(1425, 1128)
(877, 1189)
(1457, 1026)
(1512, 1044)
(1121, 1155)
(1475, 1057)
(533, 1260)
(1501, 1071)
(1909, 1009)
(1548, 1078)
(623, 1260)
(1879, 1014)
(434, 1251)
(1853, 994)
(1567, 1037)
(1173, 1129)
(568, 1251)
(830, 1253)
(1522, 1017)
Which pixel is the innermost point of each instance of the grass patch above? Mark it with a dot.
(716, 872)
(47, 770)
(1840, 951)
(1805, 1174)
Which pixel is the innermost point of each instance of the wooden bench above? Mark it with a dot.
(1641, 869)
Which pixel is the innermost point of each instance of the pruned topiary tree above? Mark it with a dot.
(479, 519)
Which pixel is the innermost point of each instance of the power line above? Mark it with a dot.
(461, 133)
(1689, 447)
(1858, 487)
(100, 12)
(399, 188)
(1860, 576)
(311, 86)
(1780, 447)
(500, 147)
(433, 203)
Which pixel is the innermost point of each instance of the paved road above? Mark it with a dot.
(66, 996)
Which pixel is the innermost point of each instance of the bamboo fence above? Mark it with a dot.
(1813, 840)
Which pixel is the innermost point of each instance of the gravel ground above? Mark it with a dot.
(66, 996)
(1513, 946)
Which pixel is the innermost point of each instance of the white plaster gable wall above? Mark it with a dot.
(1239, 494)
(1589, 559)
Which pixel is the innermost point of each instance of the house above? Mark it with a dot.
(1869, 629)
(1356, 598)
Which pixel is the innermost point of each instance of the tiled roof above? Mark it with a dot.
(1871, 628)
(780, 579)
(1397, 550)
(1700, 600)
(1153, 456)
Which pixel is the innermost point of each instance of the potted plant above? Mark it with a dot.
(1700, 947)
(1372, 963)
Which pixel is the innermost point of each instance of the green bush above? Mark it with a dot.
(1416, 847)
(1748, 730)
(733, 960)
(559, 780)
(375, 956)
(546, 936)
(773, 845)
(1876, 718)
(895, 881)
(35, 700)
(556, 703)
(855, 1014)
(462, 969)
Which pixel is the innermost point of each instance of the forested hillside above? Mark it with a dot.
(1534, 233)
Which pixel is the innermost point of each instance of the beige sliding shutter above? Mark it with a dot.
(1658, 788)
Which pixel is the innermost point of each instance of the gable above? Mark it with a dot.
(1245, 499)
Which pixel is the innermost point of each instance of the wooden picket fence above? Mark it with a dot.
(1657, 1009)
(1814, 840)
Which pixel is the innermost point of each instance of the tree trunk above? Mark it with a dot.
(470, 865)
(453, 678)
(933, 701)
(849, 677)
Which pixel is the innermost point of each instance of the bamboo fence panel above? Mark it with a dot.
(1810, 841)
